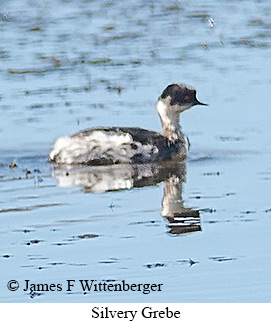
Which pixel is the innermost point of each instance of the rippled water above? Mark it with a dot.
(70, 65)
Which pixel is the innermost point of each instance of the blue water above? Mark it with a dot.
(70, 65)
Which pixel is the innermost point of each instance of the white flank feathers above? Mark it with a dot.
(96, 144)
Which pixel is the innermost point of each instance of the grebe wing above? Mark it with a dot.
(112, 145)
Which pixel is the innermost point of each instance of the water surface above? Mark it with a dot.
(70, 65)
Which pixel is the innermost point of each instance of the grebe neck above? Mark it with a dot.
(170, 121)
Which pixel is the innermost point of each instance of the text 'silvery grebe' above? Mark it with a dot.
(116, 145)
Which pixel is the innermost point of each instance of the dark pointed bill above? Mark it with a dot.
(200, 103)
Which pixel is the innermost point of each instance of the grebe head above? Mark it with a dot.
(175, 99)
(179, 97)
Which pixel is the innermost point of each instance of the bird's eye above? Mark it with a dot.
(187, 98)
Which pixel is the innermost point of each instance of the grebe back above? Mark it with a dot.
(116, 145)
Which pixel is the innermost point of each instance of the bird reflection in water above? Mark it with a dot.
(100, 179)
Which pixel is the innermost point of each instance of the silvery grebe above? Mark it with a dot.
(117, 145)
